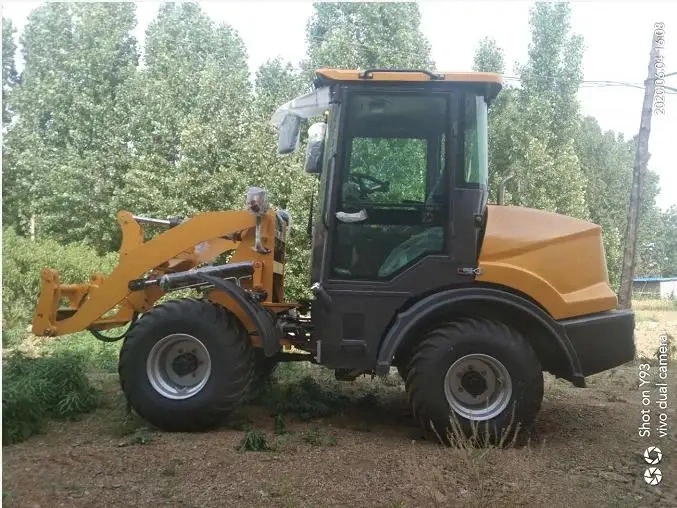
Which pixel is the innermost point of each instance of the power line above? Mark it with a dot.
(605, 83)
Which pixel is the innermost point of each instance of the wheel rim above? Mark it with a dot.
(178, 366)
(478, 387)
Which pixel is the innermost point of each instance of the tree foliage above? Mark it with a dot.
(9, 73)
(189, 108)
(559, 160)
(67, 149)
(367, 35)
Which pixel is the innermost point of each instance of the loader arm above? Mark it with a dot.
(107, 301)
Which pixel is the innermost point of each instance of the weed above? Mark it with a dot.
(392, 380)
(653, 304)
(142, 436)
(281, 443)
(361, 426)
(306, 399)
(312, 437)
(280, 425)
(253, 441)
(127, 422)
(36, 389)
(316, 437)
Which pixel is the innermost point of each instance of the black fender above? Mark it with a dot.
(435, 306)
(265, 326)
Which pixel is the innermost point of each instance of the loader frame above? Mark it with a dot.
(108, 302)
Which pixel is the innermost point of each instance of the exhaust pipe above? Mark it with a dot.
(501, 188)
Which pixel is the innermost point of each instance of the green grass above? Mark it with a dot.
(253, 441)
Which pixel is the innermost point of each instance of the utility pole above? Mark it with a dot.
(639, 168)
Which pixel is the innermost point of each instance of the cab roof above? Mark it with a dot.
(491, 82)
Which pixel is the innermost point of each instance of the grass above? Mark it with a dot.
(654, 304)
(253, 441)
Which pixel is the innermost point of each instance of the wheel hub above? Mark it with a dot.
(473, 382)
(185, 363)
(178, 366)
(477, 387)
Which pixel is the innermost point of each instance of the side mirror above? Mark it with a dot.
(315, 149)
(290, 130)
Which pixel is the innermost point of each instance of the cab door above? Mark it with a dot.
(389, 219)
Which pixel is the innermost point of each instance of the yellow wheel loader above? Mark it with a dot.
(411, 269)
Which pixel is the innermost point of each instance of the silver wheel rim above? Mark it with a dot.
(178, 366)
(478, 387)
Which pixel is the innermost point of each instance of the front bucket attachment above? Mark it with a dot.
(60, 302)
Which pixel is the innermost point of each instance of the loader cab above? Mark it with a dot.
(403, 186)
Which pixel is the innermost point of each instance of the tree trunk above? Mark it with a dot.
(641, 159)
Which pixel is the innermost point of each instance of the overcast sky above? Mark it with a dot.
(617, 38)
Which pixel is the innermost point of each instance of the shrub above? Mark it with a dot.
(36, 389)
(22, 262)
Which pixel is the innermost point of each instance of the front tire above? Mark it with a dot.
(186, 364)
(475, 378)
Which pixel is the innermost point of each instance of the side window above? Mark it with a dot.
(475, 164)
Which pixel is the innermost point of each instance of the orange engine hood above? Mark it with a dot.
(556, 260)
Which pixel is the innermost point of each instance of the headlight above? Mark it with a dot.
(257, 201)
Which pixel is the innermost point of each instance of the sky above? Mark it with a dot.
(617, 37)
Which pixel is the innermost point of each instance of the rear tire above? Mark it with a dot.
(186, 364)
(479, 374)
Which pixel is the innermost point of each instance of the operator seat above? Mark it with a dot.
(430, 240)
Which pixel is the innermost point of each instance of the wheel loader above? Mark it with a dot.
(411, 269)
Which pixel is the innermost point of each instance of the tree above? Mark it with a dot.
(367, 35)
(489, 57)
(638, 176)
(669, 241)
(531, 128)
(502, 114)
(9, 74)
(66, 153)
(553, 72)
(190, 111)
(289, 187)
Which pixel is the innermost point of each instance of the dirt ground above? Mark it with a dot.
(586, 451)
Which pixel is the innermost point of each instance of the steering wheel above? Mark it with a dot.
(368, 184)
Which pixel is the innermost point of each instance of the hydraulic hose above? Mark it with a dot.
(104, 338)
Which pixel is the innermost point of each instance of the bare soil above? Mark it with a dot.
(585, 452)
